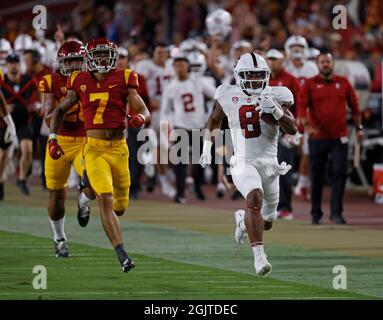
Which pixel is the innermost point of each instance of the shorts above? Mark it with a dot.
(107, 167)
(249, 175)
(3, 144)
(25, 132)
(57, 171)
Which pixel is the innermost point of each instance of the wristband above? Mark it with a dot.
(8, 120)
(207, 146)
(278, 113)
(52, 136)
(142, 116)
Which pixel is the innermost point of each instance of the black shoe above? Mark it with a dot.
(22, 185)
(150, 184)
(316, 220)
(127, 265)
(61, 248)
(236, 195)
(134, 195)
(199, 194)
(83, 213)
(338, 219)
(1, 191)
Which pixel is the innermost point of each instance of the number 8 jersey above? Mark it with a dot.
(252, 137)
(103, 102)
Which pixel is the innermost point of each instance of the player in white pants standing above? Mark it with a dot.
(255, 112)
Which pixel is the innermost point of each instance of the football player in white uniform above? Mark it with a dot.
(157, 77)
(255, 112)
(297, 63)
(183, 106)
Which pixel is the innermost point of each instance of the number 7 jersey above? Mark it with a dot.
(103, 102)
(252, 137)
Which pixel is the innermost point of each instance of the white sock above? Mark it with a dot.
(258, 249)
(58, 229)
(303, 181)
(83, 200)
(164, 180)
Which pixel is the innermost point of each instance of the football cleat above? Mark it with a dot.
(261, 264)
(127, 265)
(240, 234)
(61, 248)
(285, 215)
(83, 212)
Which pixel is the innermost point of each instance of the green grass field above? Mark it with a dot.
(181, 252)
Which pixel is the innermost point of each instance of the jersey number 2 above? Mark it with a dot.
(188, 100)
(249, 120)
(103, 97)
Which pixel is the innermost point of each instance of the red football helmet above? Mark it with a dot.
(71, 57)
(102, 55)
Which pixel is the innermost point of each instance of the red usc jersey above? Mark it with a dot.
(104, 102)
(73, 122)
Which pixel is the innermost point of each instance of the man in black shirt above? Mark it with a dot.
(20, 92)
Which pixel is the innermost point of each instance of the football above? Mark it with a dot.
(269, 119)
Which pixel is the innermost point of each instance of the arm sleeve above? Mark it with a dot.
(352, 99)
(303, 100)
(166, 105)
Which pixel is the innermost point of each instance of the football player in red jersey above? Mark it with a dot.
(104, 93)
(71, 137)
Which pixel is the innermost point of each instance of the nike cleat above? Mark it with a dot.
(261, 264)
(240, 234)
(127, 265)
(83, 212)
(61, 248)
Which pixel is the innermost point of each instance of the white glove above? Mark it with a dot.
(268, 105)
(10, 133)
(205, 158)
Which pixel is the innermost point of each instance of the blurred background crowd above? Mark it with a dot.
(139, 25)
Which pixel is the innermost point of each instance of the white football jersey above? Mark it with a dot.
(183, 102)
(157, 77)
(309, 69)
(252, 138)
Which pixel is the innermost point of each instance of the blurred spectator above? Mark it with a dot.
(286, 147)
(322, 109)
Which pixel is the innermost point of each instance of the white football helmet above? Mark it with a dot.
(197, 62)
(241, 44)
(296, 53)
(23, 42)
(191, 44)
(5, 49)
(251, 73)
(218, 23)
(313, 53)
